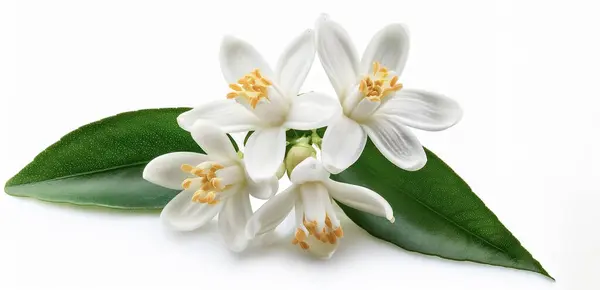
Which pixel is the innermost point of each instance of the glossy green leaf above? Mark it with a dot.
(436, 213)
(101, 163)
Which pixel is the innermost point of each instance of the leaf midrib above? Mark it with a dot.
(84, 173)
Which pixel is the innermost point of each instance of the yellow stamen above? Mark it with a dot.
(363, 85)
(339, 232)
(253, 88)
(235, 87)
(198, 172)
(198, 195)
(300, 235)
(304, 245)
(216, 183)
(186, 183)
(332, 238)
(323, 236)
(206, 186)
(186, 168)
(380, 86)
(209, 184)
(393, 81)
(328, 222)
(209, 197)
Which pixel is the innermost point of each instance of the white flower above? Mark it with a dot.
(212, 183)
(374, 102)
(265, 101)
(310, 194)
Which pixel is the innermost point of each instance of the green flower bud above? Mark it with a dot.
(297, 154)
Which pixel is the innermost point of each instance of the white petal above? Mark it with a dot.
(314, 199)
(360, 198)
(337, 54)
(311, 110)
(422, 110)
(233, 174)
(239, 58)
(295, 62)
(396, 142)
(182, 214)
(342, 145)
(273, 212)
(309, 170)
(227, 114)
(389, 47)
(165, 170)
(232, 221)
(265, 150)
(364, 109)
(263, 189)
(213, 141)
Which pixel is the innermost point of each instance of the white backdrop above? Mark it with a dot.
(525, 72)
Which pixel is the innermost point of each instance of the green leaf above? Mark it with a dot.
(436, 213)
(101, 163)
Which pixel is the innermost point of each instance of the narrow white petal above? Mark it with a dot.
(273, 212)
(314, 198)
(364, 109)
(239, 58)
(213, 141)
(295, 62)
(182, 214)
(389, 47)
(227, 114)
(311, 110)
(360, 198)
(422, 110)
(309, 170)
(264, 189)
(165, 170)
(342, 145)
(264, 153)
(232, 221)
(337, 54)
(396, 142)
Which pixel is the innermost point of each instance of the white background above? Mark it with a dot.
(525, 72)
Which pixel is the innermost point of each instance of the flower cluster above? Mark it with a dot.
(371, 103)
